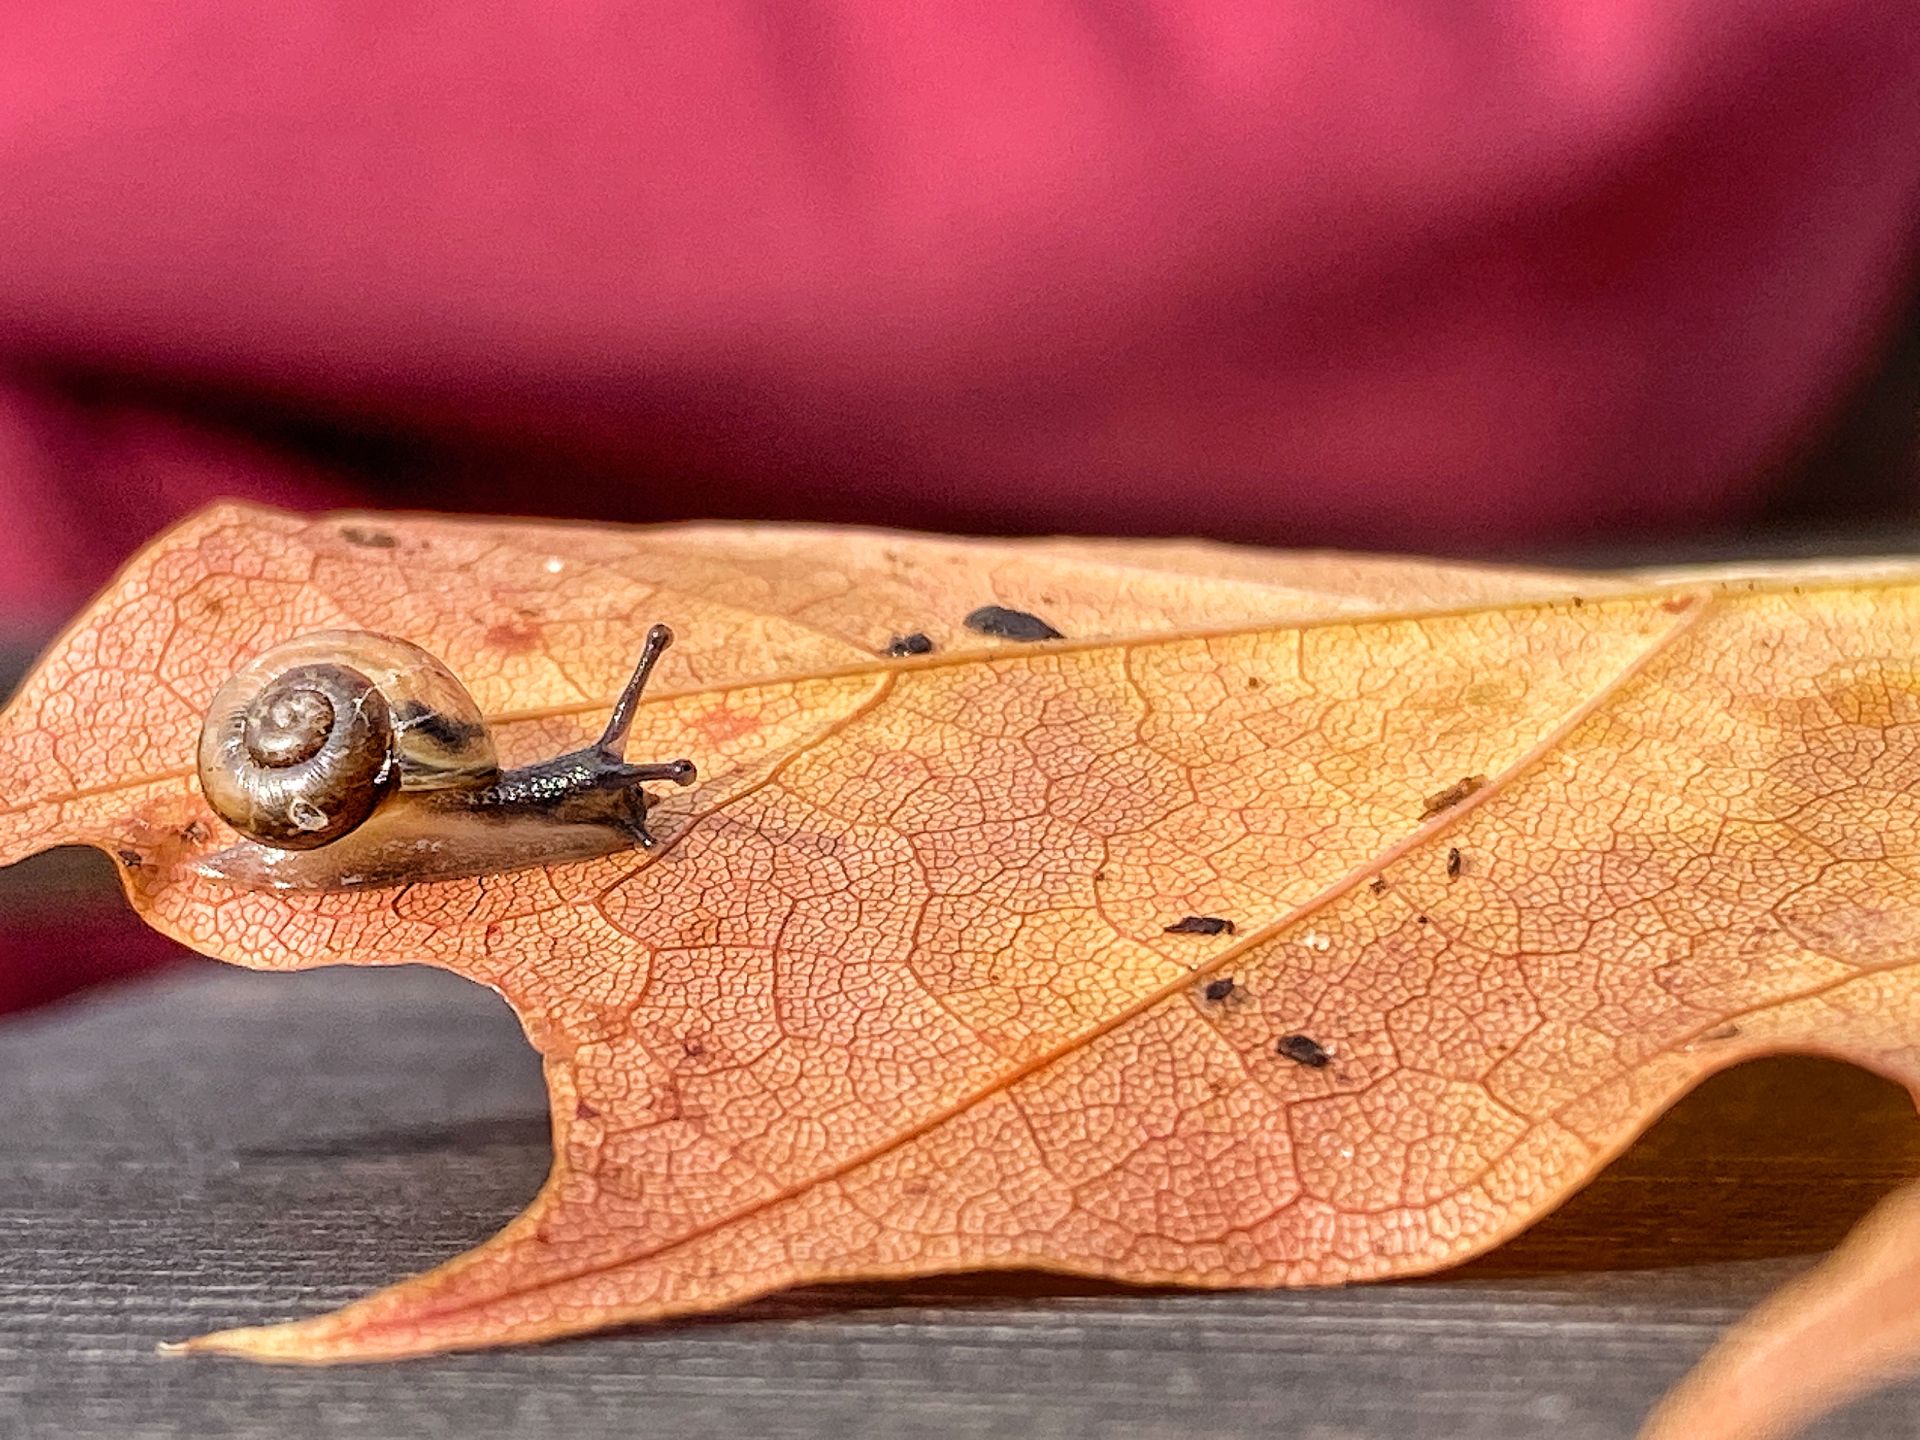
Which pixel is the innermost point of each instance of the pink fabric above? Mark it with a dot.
(91, 944)
(1413, 274)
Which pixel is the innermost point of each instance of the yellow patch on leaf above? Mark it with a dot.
(1509, 861)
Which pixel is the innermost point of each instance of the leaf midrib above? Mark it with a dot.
(890, 666)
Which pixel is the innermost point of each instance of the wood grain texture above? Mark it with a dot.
(194, 1152)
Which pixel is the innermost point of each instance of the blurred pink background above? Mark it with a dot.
(1434, 276)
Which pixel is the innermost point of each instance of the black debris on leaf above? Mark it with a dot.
(914, 644)
(1005, 624)
(372, 539)
(1201, 925)
(1219, 989)
(1379, 885)
(1303, 1050)
(1453, 862)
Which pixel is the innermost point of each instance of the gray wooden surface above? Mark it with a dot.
(218, 1147)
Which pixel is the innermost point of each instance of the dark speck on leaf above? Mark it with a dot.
(1219, 989)
(372, 539)
(1453, 862)
(583, 1111)
(1421, 918)
(193, 832)
(1254, 682)
(1451, 796)
(1379, 885)
(692, 1049)
(130, 858)
(914, 644)
(1201, 925)
(1303, 1050)
(1007, 624)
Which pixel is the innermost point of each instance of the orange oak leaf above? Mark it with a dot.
(1823, 1339)
(1505, 862)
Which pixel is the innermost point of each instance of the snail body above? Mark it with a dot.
(348, 759)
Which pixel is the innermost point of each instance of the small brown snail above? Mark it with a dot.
(350, 759)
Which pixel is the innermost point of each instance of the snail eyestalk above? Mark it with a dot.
(612, 745)
(613, 740)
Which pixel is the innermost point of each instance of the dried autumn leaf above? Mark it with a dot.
(1821, 1340)
(906, 987)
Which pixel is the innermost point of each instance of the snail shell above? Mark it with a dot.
(302, 745)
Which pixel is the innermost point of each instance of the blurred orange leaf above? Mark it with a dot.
(922, 976)
(1821, 1340)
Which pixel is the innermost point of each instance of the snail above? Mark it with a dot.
(349, 759)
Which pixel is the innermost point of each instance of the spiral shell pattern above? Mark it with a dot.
(301, 745)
